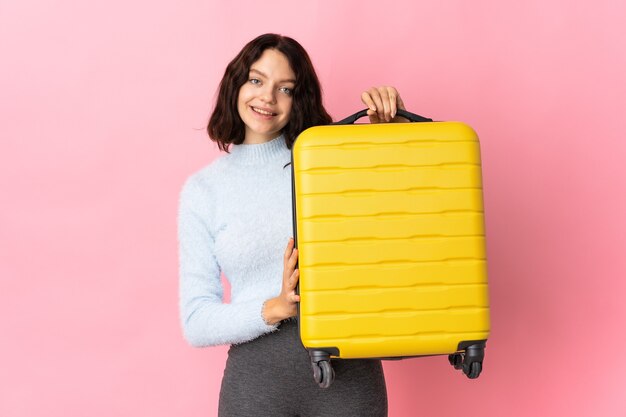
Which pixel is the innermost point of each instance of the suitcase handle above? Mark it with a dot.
(407, 115)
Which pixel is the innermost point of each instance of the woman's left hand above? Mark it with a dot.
(383, 103)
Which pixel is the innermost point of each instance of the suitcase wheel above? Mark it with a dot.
(317, 372)
(472, 369)
(470, 361)
(323, 373)
(456, 360)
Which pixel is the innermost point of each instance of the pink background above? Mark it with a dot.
(103, 106)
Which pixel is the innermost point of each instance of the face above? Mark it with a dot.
(264, 101)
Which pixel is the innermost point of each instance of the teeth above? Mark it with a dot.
(267, 113)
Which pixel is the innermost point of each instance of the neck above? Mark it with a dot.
(252, 138)
(260, 153)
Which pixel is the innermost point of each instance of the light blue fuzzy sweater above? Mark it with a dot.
(234, 217)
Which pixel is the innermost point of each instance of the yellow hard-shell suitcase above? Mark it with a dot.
(388, 221)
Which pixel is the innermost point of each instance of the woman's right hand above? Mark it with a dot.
(284, 306)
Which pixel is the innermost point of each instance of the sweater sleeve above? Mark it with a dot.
(206, 319)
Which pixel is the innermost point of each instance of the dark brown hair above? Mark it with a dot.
(225, 125)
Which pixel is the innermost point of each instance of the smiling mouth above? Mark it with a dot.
(263, 112)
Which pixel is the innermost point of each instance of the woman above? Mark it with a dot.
(235, 217)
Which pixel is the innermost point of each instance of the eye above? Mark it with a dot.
(286, 90)
(254, 81)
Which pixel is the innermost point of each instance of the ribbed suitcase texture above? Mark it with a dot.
(390, 232)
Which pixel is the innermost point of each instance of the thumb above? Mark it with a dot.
(373, 116)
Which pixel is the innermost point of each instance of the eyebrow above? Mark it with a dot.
(263, 75)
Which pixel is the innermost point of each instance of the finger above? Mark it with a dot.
(367, 100)
(401, 106)
(290, 283)
(386, 104)
(293, 280)
(393, 94)
(378, 102)
(400, 102)
(288, 251)
(293, 259)
(373, 116)
(292, 297)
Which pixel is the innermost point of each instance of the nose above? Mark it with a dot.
(268, 95)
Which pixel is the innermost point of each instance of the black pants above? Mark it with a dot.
(271, 376)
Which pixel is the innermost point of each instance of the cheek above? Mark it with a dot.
(244, 96)
(287, 107)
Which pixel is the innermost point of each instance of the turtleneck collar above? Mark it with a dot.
(259, 153)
